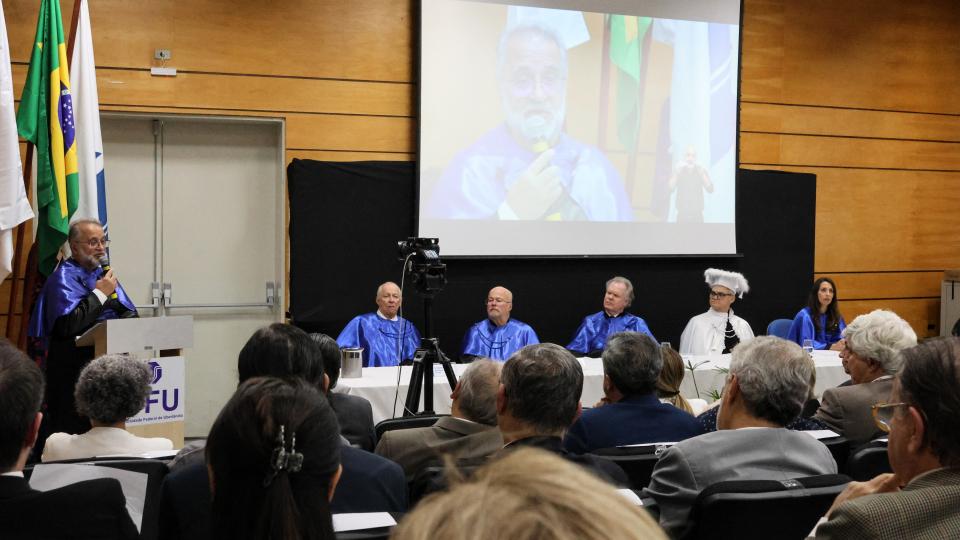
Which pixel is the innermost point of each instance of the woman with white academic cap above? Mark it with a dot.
(718, 330)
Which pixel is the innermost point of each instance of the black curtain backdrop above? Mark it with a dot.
(345, 220)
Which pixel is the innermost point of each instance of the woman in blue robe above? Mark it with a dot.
(821, 320)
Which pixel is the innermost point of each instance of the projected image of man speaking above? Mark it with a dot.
(528, 168)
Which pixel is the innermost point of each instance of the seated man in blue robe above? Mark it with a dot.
(498, 336)
(76, 296)
(386, 338)
(591, 337)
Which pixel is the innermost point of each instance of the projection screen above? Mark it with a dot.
(579, 128)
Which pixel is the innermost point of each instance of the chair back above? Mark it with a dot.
(840, 449)
(779, 328)
(637, 462)
(405, 422)
(867, 462)
(763, 508)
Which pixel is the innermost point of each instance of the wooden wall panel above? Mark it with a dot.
(832, 121)
(836, 151)
(886, 285)
(340, 39)
(923, 314)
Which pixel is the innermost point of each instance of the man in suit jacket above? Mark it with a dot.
(470, 432)
(630, 412)
(766, 387)
(539, 398)
(354, 413)
(872, 343)
(919, 500)
(90, 509)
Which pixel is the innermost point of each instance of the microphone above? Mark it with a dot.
(105, 264)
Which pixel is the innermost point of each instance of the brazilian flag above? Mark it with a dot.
(626, 43)
(45, 118)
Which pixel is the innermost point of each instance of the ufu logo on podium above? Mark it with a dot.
(167, 398)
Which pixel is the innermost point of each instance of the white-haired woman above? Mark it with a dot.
(110, 390)
(718, 330)
(871, 356)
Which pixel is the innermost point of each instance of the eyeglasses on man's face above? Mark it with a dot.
(883, 414)
(719, 294)
(94, 242)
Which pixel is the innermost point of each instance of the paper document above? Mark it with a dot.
(822, 434)
(356, 522)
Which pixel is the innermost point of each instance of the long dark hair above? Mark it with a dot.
(252, 496)
(813, 304)
(281, 350)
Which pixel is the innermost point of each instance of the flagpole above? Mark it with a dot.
(72, 38)
(21, 231)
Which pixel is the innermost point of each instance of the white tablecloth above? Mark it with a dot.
(379, 385)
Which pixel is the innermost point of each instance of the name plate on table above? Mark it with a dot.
(167, 393)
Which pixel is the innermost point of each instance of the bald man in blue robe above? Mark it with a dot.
(498, 336)
(386, 338)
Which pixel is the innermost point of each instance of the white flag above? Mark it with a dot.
(14, 205)
(86, 114)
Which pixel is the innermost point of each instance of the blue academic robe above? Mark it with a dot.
(378, 337)
(63, 291)
(802, 328)
(595, 329)
(497, 342)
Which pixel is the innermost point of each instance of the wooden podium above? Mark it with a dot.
(156, 337)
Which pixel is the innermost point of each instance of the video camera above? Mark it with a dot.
(424, 266)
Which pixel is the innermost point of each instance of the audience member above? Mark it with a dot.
(470, 432)
(369, 483)
(274, 461)
(110, 390)
(386, 338)
(820, 321)
(671, 376)
(718, 330)
(871, 357)
(539, 398)
(765, 389)
(919, 500)
(529, 495)
(591, 337)
(354, 413)
(498, 336)
(89, 509)
(632, 414)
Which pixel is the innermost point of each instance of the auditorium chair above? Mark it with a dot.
(868, 461)
(636, 461)
(405, 422)
(840, 449)
(779, 328)
(745, 509)
(155, 469)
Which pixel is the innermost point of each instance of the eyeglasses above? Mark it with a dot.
(718, 294)
(94, 242)
(883, 414)
(524, 83)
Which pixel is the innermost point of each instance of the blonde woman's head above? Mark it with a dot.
(529, 494)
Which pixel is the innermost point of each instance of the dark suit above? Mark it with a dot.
(89, 509)
(633, 420)
(690, 466)
(355, 416)
(417, 448)
(846, 409)
(603, 468)
(925, 509)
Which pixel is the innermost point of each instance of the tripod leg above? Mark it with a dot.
(412, 404)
